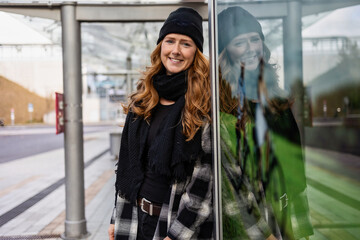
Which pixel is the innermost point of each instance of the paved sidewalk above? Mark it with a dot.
(32, 192)
(333, 193)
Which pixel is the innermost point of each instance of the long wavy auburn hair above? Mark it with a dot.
(197, 97)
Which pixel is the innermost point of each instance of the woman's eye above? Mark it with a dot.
(169, 41)
(187, 44)
(240, 43)
(255, 39)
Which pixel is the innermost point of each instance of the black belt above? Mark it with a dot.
(149, 207)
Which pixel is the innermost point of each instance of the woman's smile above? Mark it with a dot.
(176, 61)
(246, 49)
(177, 53)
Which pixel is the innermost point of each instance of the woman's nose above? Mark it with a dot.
(250, 45)
(176, 49)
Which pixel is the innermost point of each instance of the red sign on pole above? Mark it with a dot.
(59, 108)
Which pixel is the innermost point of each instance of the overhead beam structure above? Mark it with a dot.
(114, 12)
(105, 12)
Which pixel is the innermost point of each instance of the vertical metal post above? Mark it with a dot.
(293, 58)
(214, 70)
(293, 44)
(75, 223)
(128, 77)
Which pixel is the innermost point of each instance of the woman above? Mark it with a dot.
(164, 175)
(263, 171)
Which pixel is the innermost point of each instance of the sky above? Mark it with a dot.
(341, 22)
(12, 31)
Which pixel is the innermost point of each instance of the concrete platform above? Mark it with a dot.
(32, 192)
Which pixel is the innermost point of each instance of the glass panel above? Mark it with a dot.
(114, 54)
(113, 57)
(332, 144)
(258, 132)
(289, 143)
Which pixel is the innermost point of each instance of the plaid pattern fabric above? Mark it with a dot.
(281, 211)
(242, 216)
(187, 210)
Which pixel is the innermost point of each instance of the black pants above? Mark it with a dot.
(146, 225)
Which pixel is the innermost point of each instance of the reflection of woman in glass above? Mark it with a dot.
(263, 170)
(164, 175)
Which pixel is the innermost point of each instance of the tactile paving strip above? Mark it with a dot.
(30, 237)
(16, 211)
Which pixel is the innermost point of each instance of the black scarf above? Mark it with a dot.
(170, 154)
(170, 87)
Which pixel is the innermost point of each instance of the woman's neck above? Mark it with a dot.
(164, 101)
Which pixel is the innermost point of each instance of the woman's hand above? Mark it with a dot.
(111, 231)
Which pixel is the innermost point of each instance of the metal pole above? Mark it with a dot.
(75, 223)
(292, 44)
(128, 77)
(214, 70)
(293, 58)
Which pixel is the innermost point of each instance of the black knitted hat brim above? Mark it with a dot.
(184, 21)
(233, 22)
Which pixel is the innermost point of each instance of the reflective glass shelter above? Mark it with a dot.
(286, 165)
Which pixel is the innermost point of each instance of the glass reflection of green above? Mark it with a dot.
(263, 176)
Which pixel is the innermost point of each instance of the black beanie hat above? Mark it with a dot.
(184, 21)
(234, 21)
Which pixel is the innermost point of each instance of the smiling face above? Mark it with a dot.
(246, 49)
(177, 53)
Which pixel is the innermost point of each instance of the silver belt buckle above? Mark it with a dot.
(142, 206)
